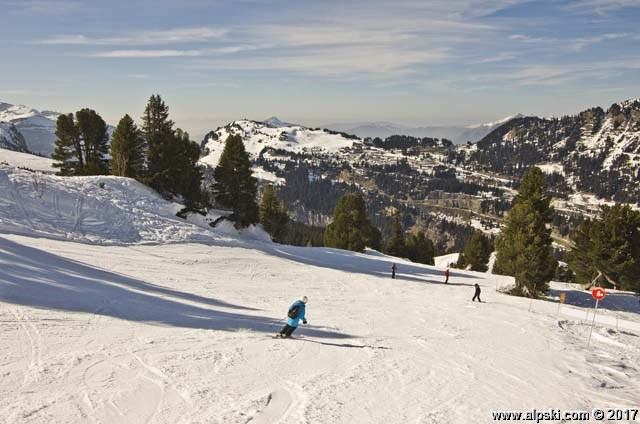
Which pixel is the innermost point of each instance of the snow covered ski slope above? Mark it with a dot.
(128, 316)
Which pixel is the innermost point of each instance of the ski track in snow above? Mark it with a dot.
(146, 318)
(417, 352)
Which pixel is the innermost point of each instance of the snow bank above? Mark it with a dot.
(101, 209)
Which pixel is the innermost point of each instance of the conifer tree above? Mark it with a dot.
(350, 228)
(94, 136)
(608, 248)
(159, 136)
(273, 214)
(185, 173)
(373, 238)
(172, 167)
(235, 187)
(127, 149)
(524, 247)
(419, 249)
(476, 253)
(81, 144)
(396, 244)
(68, 149)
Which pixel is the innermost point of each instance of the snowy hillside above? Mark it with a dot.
(37, 128)
(274, 134)
(115, 310)
(596, 151)
(26, 160)
(99, 210)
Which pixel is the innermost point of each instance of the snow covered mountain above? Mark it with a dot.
(11, 139)
(37, 128)
(457, 134)
(275, 135)
(596, 151)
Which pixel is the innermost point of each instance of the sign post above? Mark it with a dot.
(563, 299)
(598, 294)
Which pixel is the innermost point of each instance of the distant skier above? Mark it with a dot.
(477, 295)
(446, 275)
(295, 314)
(393, 271)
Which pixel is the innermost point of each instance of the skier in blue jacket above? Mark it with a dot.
(295, 314)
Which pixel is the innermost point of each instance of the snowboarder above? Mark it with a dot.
(295, 314)
(446, 275)
(477, 295)
(393, 271)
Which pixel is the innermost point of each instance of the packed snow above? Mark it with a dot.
(115, 310)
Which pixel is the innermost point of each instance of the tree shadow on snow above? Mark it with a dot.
(33, 277)
(624, 302)
(374, 265)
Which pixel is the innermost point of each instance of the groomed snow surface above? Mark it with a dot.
(113, 314)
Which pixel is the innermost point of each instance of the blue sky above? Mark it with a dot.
(407, 61)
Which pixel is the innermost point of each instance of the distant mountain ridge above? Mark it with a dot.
(596, 150)
(457, 134)
(37, 127)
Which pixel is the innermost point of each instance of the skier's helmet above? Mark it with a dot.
(304, 299)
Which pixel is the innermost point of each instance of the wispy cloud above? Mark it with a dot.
(330, 62)
(155, 53)
(42, 7)
(159, 37)
(523, 38)
(601, 6)
(579, 44)
(146, 53)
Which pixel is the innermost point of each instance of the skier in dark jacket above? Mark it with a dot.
(393, 271)
(477, 295)
(292, 322)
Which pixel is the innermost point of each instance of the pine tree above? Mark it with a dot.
(235, 187)
(395, 244)
(524, 247)
(419, 249)
(127, 150)
(68, 149)
(350, 228)
(273, 214)
(172, 158)
(476, 253)
(608, 248)
(93, 133)
(373, 238)
(185, 173)
(81, 144)
(159, 135)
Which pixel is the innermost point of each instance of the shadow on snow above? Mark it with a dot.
(625, 302)
(374, 265)
(33, 277)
